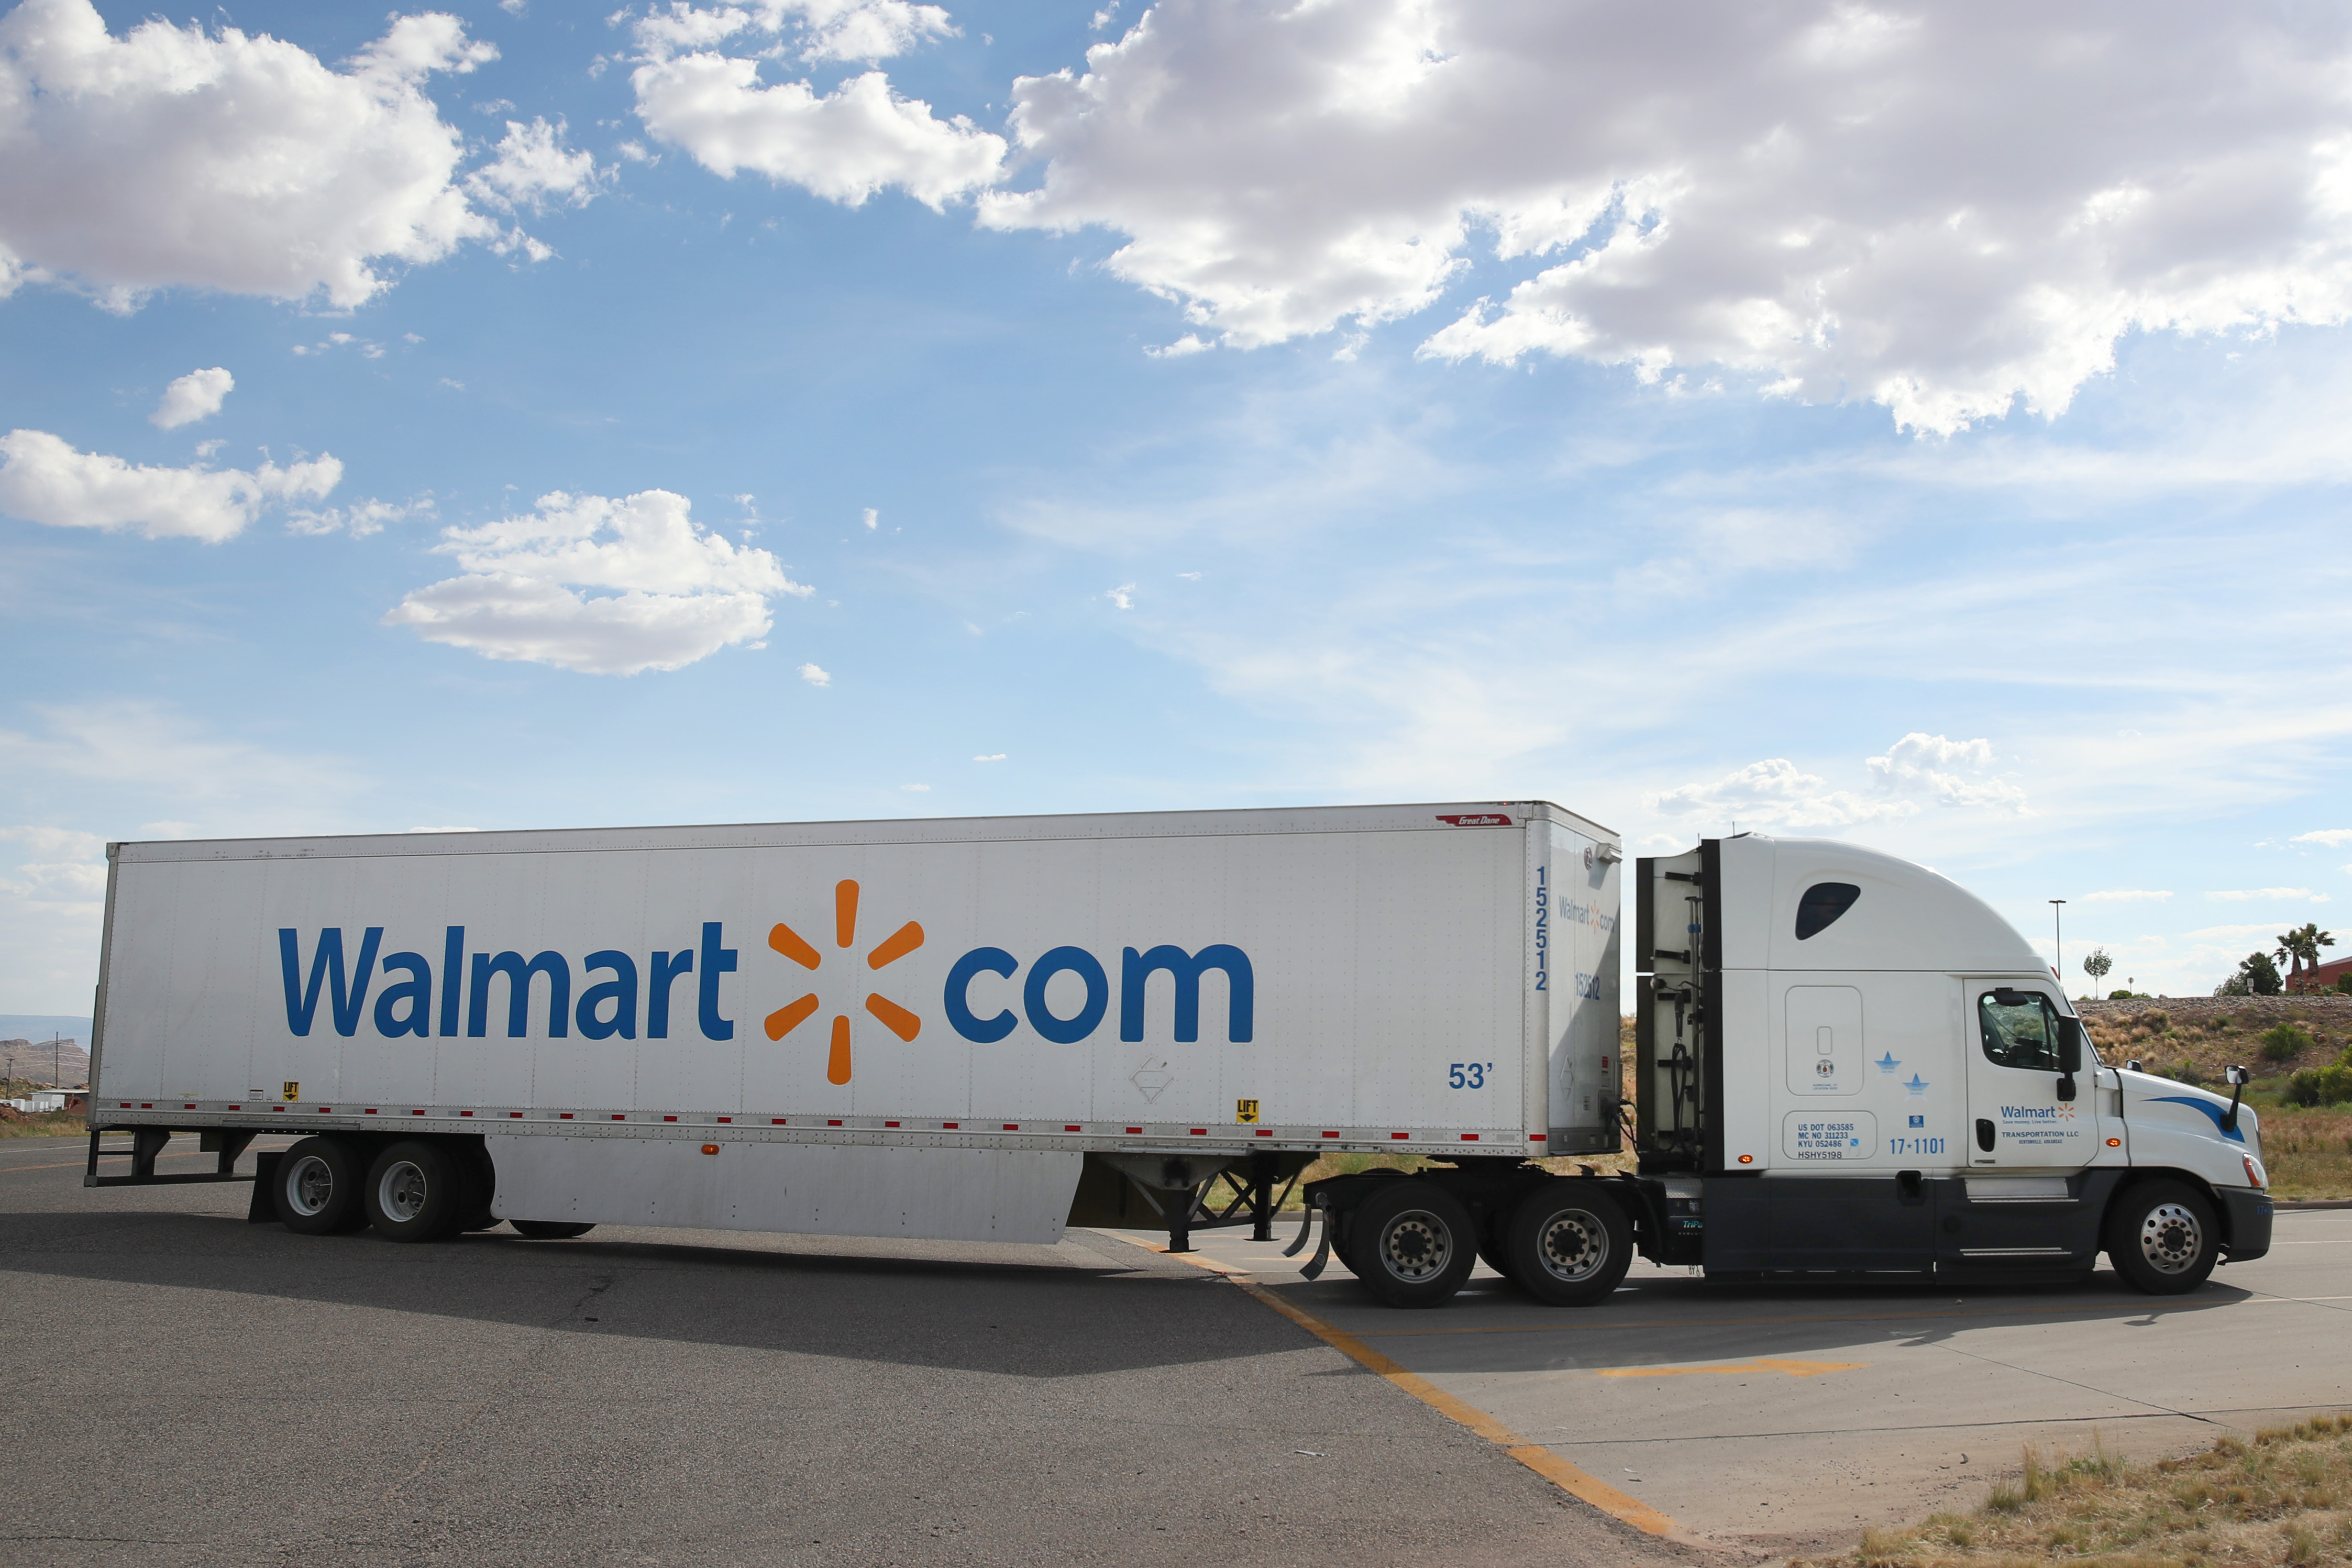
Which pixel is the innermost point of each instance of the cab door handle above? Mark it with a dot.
(1985, 1133)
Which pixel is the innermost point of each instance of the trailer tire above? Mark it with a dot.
(481, 1187)
(550, 1229)
(2163, 1238)
(1411, 1243)
(417, 1192)
(316, 1188)
(1569, 1242)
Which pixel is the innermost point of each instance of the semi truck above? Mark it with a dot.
(1844, 1064)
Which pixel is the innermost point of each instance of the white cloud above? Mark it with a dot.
(1775, 794)
(221, 160)
(2126, 896)
(815, 675)
(844, 145)
(677, 592)
(1122, 596)
(153, 753)
(990, 757)
(2245, 895)
(68, 866)
(195, 395)
(1928, 764)
(825, 29)
(2232, 933)
(534, 169)
(47, 480)
(870, 518)
(1938, 209)
(2333, 837)
(915, 789)
(860, 138)
(359, 519)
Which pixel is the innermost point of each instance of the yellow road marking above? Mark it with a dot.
(1755, 1363)
(1568, 1478)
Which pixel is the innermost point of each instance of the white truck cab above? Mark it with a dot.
(1850, 1064)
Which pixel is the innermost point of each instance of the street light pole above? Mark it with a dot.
(2058, 925)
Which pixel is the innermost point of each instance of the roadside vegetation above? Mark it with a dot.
(2282, 1496)
(51, 1124)
(16, 1123)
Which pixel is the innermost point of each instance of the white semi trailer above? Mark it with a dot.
(989, 1029)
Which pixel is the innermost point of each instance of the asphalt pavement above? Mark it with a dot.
(187, 1388)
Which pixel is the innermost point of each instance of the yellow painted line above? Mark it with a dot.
(1568, 1478)
(2113, 1309)
(1755, 1363)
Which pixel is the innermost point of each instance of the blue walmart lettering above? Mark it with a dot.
(405, 1006)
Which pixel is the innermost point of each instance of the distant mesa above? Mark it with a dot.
(64, 1062)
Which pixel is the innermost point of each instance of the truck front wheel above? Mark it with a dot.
(1568, 1243)
(416, 1192)
(316, 1190)
(1411, 1244)
(2162, 1238)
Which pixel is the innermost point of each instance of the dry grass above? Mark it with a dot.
(2309, 1152)
(2284, 1496)
(53, 1124)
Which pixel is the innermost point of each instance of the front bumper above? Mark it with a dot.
(2247, 1218)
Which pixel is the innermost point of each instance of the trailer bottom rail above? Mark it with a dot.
(147, 1142)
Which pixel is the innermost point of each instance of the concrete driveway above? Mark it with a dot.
(1786, 1418)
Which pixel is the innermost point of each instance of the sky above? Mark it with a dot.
(1919, 427)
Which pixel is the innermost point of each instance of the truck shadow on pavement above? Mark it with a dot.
(1684, 1324)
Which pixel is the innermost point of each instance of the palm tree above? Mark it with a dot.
(2301, 947)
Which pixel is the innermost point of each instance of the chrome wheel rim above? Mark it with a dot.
(2170, 1238)
(309, 1185)
(1573, 1245)
(1416, 1245)
(402, 1190)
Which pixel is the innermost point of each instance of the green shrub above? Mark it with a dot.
(2330, 1085)
(2189, 1076)
(2285, 1042)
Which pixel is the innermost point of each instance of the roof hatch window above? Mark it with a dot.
(1821, 905)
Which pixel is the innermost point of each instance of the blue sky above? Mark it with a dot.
(1378, 403)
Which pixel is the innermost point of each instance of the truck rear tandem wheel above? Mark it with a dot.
(1410, 1239)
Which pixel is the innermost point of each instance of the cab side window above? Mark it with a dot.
(2022, 1032)
(1821, 905)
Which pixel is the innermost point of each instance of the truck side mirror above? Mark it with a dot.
(2070, 1046)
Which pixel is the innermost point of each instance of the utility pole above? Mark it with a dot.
(2058, 925)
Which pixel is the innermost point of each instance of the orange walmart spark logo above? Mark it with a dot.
(895, 947)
